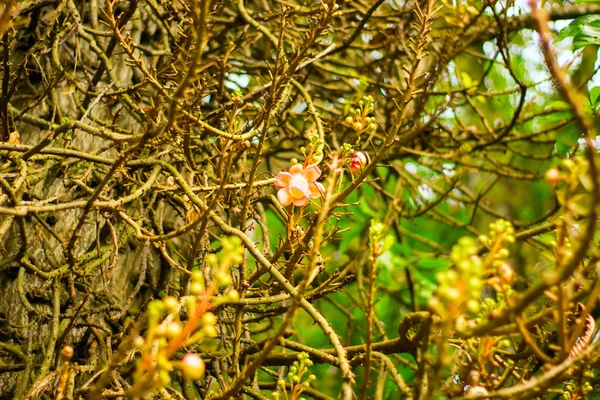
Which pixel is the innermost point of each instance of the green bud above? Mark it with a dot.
(473, 306)
(223, 278)
(233, 296)
(503, 253)
(138, 342)
(170, 303)
(196, 288)
(209, 319)
(212, 260)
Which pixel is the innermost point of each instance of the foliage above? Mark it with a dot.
(297, 199)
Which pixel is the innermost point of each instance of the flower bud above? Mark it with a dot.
(552, 176)
(209, 319)
(473, 306)
(357, 126)
(196, 288)
(66, 353)
(161, 330)
(359, 161)
(138, 342)
(223, 278)
(170, 303)
(210, 331)
(192, 367)
(506, 273)
(173, 329)
(233, 296)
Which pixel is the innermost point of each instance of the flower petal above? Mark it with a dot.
(311, 173)
(296, 169)
(284, 197)
(283, 179)
(299, 188)
(316, 189)
(300, 202)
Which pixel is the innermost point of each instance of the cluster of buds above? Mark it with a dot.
(357, 160)
(359, 119)
(571, 390)
(167, 332)
(574, 184)
(490, 308)
(462, 285)
(378, 241)
(294, 376)
(568, 172)
(313, 152)
(502, 233)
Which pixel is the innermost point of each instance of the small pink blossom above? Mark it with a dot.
(359, 161)
(298, 185)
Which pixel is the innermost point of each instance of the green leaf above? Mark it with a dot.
(466, 78)
(584, 31)
(595, 95)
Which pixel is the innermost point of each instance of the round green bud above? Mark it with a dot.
(196, 288)
(210, 331)
(138, 342)
(237, 258)
(233, 296)
(451, 277)
(568, 163)
(173, 329)
(197, 276)
(212, 260)
(450, 293)
(223, 278)
(208, 319)
(192, 367)
(503, 253)
(357, 126)
(475, 284)
(161, 330)
(473, 306)
(170, 303)
(464, 265)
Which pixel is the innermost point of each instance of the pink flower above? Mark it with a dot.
(359, 161)
(298, 185)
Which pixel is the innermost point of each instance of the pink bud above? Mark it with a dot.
(553, 176)
(359, 161)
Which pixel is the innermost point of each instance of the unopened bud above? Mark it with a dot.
(66, 353)
(506, 273)
(192, 367)
(359, 161)
(170, 303)
(552, 176)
